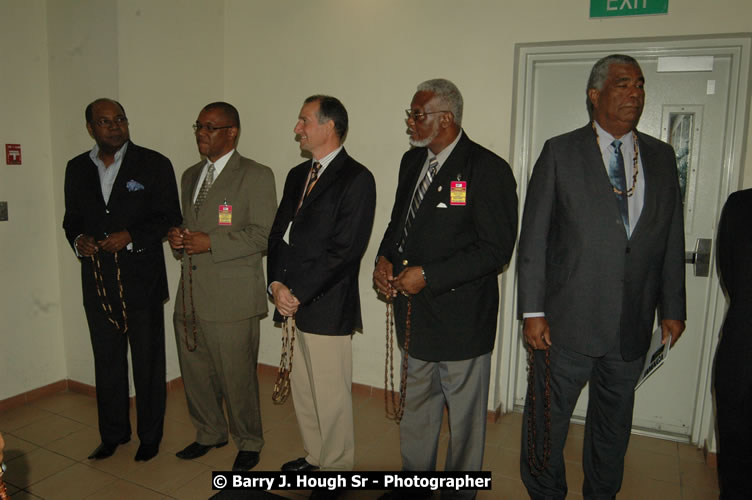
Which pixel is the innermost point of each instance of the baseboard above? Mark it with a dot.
(173, 385)
(711, 458)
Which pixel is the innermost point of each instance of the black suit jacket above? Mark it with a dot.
(596, 287)
(144, 201)
(328, 236)
(462, 250)
(735, 263)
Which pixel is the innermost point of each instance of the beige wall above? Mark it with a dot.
(163, 60)
(31, 334)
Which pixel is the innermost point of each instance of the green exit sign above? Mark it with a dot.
(619, 8)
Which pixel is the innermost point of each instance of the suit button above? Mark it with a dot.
(628, 249)
(404, 262)
(193, 267)
(107, 210)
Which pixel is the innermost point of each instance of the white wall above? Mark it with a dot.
(31, 334)
(164, 60)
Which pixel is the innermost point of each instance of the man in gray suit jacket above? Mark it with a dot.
(228, 208)
(601, 248)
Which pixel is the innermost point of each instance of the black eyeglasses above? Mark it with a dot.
(107, 123)
(419, 116)
(197, 127)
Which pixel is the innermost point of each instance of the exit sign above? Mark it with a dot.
(619, 8)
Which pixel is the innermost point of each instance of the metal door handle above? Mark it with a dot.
(700, 257)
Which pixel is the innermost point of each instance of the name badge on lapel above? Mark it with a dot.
(225, 215)
(458, 193)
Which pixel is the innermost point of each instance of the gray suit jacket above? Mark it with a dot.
(575, 262)
(228, 282)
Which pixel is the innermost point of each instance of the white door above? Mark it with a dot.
(700, 112)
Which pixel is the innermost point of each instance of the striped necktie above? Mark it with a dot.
(314, 177)
(433, 165)
(208, 181)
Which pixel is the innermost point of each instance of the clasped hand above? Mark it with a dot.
(192, 242)
(409, 282)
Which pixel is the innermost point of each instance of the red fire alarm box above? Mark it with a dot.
(12, 154)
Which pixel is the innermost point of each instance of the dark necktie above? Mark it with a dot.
(420, 193)
(208, 181)
(619, 181)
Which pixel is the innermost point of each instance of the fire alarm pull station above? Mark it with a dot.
(12, 154)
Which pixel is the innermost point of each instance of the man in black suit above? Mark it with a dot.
(317, 240)
(120, 199)
(733, 378)
(601, 247)
(452, 230)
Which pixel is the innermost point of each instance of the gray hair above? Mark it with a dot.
(599, 74)
(448, 95)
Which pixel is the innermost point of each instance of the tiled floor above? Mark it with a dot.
(47, 443)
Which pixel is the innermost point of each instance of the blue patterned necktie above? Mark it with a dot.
(619, 181)
(433, 165)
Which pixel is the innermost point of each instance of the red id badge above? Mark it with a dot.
(225, 215)
(458, 193)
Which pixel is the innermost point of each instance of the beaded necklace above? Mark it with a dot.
(635, 163)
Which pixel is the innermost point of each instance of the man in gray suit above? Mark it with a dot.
(601, 248)
(228, 208)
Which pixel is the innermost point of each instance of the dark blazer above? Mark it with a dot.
(735, 263)
(144, 201)
(462, 250)
(327, 239)
(575, 262)
(228, 282)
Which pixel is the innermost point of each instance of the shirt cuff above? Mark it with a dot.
(534, 315)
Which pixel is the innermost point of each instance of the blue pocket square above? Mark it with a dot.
(133, 185)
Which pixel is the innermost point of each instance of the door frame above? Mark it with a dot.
(736, 46)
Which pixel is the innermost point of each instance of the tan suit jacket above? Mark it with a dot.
(228, 282)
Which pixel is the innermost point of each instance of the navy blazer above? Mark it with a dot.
(144, 201)
(320, 262)
(462, 249)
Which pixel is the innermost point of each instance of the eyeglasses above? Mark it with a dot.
(107, 123)
(419, 116)
(198, 127)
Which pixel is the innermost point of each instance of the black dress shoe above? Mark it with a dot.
(246, 460)
(195, 450)
(298, 465)
(105, 450)
(324, 494)
(146, 452)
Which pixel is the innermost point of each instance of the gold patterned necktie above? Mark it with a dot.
(208, 181)
(314, 177)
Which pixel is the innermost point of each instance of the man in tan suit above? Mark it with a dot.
(228, 206)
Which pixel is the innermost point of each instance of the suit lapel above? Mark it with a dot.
(127, 171)
(453, 169)
(410, 184)
(94, 184)
(218, 192)
(647, 155)
(597, 185)
(327, 178)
